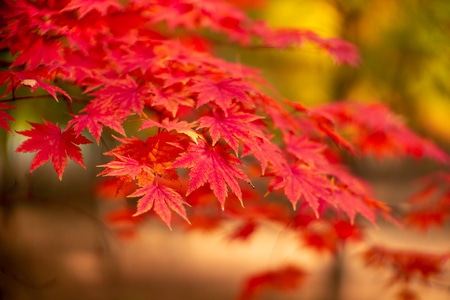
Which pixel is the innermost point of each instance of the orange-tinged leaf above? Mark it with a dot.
(162, 199)
(52, 143)
(176, 125)
(155, 154)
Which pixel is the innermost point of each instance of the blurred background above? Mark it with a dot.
(54, 245)
(405, 56)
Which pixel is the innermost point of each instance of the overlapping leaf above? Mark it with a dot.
(214, 165)
(153, 157)
(4, 117)
(221, 93)
(302, 182)
(234, 128)
(99, 114)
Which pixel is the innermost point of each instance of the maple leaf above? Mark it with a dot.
(306, 150)
(162, 199)
(32, 80)
(125, 166)
(126, 94)
(170, 98)
(4, 117)
(52, 143)
(213, 164)
(83, 7)
(154, 156)
(325, 234)
(341, 51)
(234, 128)
(424, 219)
(99, 113)
(282, 279)
(40, 52)
(375, 130)
(266, 152)
(302, 182)
(406, 265)
(431, 204)
(222, 93)
(320, 236)
(351, 203)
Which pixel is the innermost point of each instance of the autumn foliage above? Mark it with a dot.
(211, 138)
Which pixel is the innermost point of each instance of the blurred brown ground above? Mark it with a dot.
(60, 250)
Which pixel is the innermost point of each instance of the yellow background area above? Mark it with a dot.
(405, 57)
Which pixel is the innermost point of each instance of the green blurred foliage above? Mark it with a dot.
(405, 52)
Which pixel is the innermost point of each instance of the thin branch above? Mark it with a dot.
(40, 96)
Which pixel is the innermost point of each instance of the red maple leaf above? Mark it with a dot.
(306, 150)
(213, 164)
(341, 51)
(222, 93)
(4, 117)
(52, 143)
(39, 51)
(406, 265)
(83, 7)
(99, 113)
(33, 80)
(266, 152)
(376, 130)
(162, 199)
(124, 93)
(171, 98)
(154, 156)
(125, 166)
(325, 234)
(234, 128)
(430, 206)
(302, 182)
